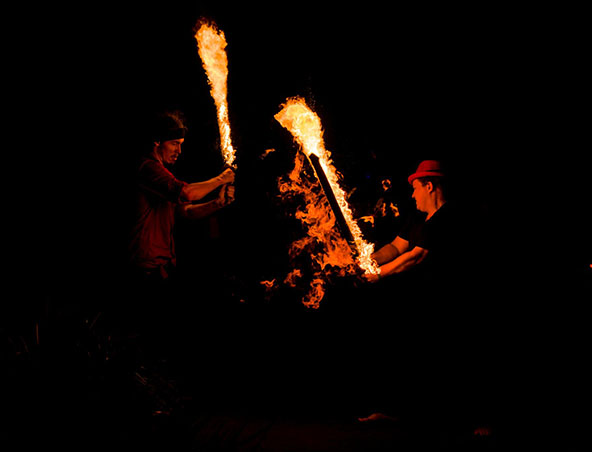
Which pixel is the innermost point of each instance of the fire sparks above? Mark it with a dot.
(211, 45)
(305, 126)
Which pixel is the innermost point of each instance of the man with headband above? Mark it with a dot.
(161, 196)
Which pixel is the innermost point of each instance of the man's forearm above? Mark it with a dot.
(197, 211)
(404, 262)
(386, 254)
(197, 190)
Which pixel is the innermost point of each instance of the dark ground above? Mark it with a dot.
(494, 361)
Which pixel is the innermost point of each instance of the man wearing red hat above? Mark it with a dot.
(419, 239)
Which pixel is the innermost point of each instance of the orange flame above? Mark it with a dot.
(268, 284)
(328, 250)
(305, 126)
(211, 45)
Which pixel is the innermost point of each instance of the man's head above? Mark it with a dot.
(428, 186)
(168, 135)
(169, 150)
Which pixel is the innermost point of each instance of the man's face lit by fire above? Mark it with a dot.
(169, 150)
(421, 195)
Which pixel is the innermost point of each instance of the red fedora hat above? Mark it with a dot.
(427, 168)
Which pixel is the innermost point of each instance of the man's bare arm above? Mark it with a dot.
(197, 190)
(404, 262)
(197, 211)
(391, 251)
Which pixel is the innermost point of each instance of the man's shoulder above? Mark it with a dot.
(150, 166)
(447, 223)
(448, 212)
(149, 160)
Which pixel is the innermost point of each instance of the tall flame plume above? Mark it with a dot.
(305, 125)
(211, 45)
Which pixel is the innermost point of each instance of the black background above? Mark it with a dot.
(494, 92)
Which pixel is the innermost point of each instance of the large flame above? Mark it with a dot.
(305, 126)
(323, 248)
(211, 45)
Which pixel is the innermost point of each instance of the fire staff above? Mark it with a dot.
(161, 196)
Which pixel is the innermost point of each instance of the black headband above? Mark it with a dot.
(170, 134)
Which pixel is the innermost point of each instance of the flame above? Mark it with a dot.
(268, 284)
(323, 247)
(305, 126)
(211, 45)
(266, 153)
(315, 294)
(290, 279)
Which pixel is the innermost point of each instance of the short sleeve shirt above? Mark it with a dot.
(437, 235)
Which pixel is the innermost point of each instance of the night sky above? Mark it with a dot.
(493, 92)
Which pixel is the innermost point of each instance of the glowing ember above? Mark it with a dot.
(266, 153)
(305, 126)
(211, 45)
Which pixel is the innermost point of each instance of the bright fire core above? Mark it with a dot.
(305, 126)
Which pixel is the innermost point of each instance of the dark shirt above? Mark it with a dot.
(438, 235)
(152, 245)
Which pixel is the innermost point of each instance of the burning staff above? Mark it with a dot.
(341, 221)
(211, 45)
(306, 128)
